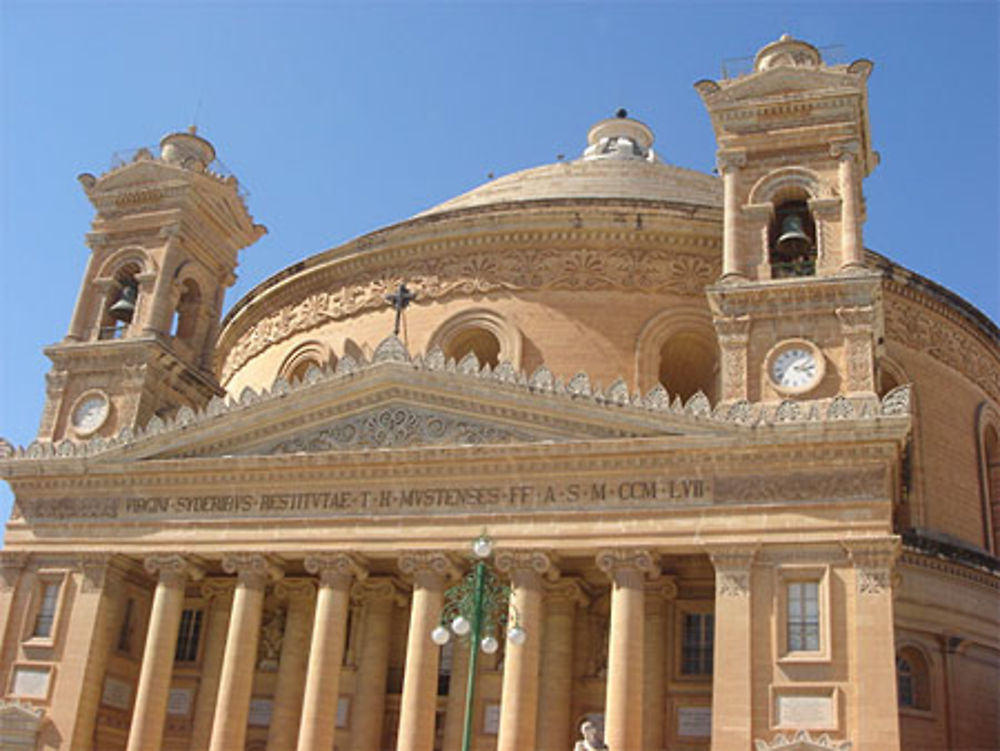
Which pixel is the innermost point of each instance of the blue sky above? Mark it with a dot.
(342, 117)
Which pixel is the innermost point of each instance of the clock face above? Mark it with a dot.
(795, 368)
(90, 413)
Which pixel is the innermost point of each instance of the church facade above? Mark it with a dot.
(741, 475)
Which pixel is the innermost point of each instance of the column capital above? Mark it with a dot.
(873, 561)
(663, 588)
(253, 570)
(526, 566)
(730, 159)
(12, 563)
(336, 569)
(291, 589)
(568, 592)
(174, 569)
(617, 561)
(732, 569)
(378, 588)
(428, 567)
(217, 586)
(846, 150)
(96, 567)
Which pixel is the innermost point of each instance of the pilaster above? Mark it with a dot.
(659, 597)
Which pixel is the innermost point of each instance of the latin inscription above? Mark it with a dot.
(630, 493)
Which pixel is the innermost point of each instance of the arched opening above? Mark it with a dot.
(121, 302)
(479, 341)
(185, 320)
(991, 461)
(792, 241)
(308, 356)
(687, 365)
(301, 369)
(912, 679)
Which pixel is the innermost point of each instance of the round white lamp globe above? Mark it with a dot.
(490, 645)
(440, 636)
(482, 547)
(460, 626)
(517, 636)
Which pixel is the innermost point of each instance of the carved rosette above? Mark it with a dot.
(11, 566)
(253, 570)
(429, 569)
(336, 570)
(873, 563)
(629, 566)
(732, 571)
(173, 569)
(526, 567)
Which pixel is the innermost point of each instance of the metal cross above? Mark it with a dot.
(400, 300)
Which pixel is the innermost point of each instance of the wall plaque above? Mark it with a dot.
(343, 711)
(491, 719)
(117, 693)
(694, 722)
(31, 682)
(260, 712)
(813, 712)
(179, 701)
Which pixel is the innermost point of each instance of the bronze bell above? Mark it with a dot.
(793, 240)
(124, 307)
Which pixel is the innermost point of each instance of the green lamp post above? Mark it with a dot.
(477, 609)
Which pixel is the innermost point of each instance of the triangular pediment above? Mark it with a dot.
(785, 81)
(136, 175)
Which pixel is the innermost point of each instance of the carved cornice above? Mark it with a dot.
(336, 570)
(253, 570)
(173, 569)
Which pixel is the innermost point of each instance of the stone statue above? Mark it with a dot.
(592, 740)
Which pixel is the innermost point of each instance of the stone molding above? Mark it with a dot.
(336, 570)
(174, 569)
(732, 570)
(873, 563)
(542, 385)
(253, 570)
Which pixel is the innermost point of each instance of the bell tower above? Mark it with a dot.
(163, 250)
(796, 312)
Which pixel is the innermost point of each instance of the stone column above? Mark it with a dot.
(732, 691)
(519, 696)
(430, 571)
(873, 650)
(156, 317)
(851, 247)
(654, 679)
(729, 164)
(627, 569)
(379, 597)
(454, 712)
(562, 599)
(78, 323)
(300, 595)
(232, 706)
(149, 711)
(219, 594)
(336, 571)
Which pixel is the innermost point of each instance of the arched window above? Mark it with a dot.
(988, 435)
(120, 303)
(912, 679)
(305, 357)
(792, 241)
(687, 365)
(487, 335)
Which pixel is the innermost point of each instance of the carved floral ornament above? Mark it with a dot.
(542, 384)
(649, 271)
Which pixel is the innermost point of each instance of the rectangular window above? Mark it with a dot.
(189, 636)
(803, 616)
(697, 643)
(45, 618)
(125, 632)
